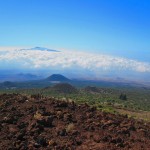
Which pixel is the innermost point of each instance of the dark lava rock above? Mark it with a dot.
(47, 123)
(62, 132)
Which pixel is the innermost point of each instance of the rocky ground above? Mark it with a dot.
(30, 123)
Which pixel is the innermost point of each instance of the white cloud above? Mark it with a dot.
(68, 59)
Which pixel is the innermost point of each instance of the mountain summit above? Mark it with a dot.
(41, 49)
(57, 77)
(44, 49)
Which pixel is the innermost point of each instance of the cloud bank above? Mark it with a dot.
(39, 59)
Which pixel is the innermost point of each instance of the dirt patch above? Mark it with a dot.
(28, 123)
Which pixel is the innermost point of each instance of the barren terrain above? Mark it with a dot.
(36, 122)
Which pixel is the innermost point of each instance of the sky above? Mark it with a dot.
(116, 28)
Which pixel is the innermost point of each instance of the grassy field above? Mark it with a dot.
(145, 115)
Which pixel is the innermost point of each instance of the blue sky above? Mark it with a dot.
(96, 38)
(116, 27)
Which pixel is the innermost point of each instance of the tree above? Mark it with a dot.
(123, 96)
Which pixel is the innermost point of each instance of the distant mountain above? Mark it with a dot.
(18, 77)
(8, 84)
(28, 75)
(57, 78)
(41, 49)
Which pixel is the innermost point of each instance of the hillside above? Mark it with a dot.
(64, 88)
(33, 122)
